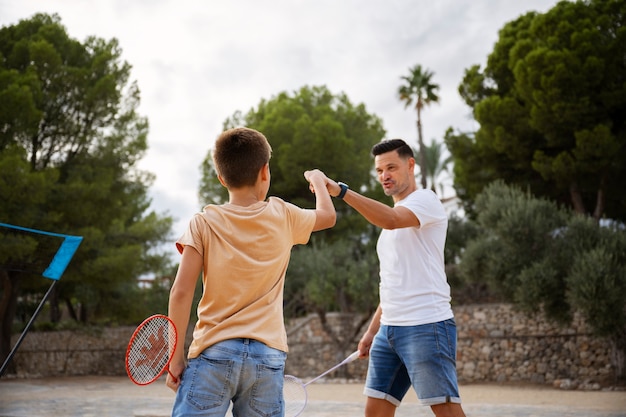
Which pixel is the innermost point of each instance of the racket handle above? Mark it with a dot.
(349, 359)
(353, 356)
(172, 375)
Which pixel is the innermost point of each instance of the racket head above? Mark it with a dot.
(150, 349)
(294, 396)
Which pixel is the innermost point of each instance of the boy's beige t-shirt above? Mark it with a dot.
(245, 252)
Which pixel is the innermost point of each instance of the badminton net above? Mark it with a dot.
(25, 251)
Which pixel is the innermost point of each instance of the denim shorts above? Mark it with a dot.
(245, 372)
(423, 356)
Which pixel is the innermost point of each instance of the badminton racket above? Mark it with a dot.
(294, 390)
(150, 349)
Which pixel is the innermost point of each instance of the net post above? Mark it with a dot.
(30, 323)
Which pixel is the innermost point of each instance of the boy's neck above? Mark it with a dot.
(244, 197)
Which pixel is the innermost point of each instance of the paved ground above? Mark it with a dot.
(118, 397)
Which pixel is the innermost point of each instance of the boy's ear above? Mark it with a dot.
(265, 172)
(219, 177)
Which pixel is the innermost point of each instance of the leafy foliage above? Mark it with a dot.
(551, 260)
(515, 229)
(436, 164)
(596, 279)
(70, 140)
(341, 276)
(551, 103)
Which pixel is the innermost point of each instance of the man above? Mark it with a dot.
(411, 339)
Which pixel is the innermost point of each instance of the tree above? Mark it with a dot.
(461, 230)
(436, 164)
(514, 228)
(596, 280)
(69, 116)
(22, 192)
(550, 260)
(419, 88)
(340, 277)
(551, 104)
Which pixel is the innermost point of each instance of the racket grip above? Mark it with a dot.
(353, 356)
(172, 375)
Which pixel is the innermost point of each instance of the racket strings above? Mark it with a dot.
(294, 396)
(294, 390)
(150, 350)
(153, 350)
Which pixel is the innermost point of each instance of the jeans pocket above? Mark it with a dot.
(268, 389)
(209, 383)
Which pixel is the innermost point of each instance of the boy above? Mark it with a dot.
(242, 248)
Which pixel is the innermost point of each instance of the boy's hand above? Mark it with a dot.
(176, 369)
(312, 175)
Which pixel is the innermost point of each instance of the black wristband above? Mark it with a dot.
(344, 189)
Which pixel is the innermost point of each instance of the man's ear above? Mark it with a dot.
(412, 164)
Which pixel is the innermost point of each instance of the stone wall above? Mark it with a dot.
(79, 352)
(495, 344)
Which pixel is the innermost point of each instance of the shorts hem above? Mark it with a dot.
(439, 400)
(381, 396)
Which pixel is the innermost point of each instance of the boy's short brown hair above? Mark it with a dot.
(239, 154)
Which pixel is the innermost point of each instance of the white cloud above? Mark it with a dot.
(197, 62)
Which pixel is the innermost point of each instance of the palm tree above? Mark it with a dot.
(419, 88)
(436, 163)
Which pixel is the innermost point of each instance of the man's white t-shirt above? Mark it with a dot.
(414, 289)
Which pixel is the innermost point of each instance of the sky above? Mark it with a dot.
(199, 61)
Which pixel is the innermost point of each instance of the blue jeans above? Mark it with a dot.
(245, 372)
(423, 356)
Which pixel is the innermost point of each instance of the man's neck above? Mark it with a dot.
(404, 194)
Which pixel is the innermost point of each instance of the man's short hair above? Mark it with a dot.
(389, 145)
(239, 154)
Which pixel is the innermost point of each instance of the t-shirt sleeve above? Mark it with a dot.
(426, 207)
(191, 236)
(302, 222)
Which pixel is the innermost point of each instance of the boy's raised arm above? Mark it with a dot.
(324, 208)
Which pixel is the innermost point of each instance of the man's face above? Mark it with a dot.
(395, 174)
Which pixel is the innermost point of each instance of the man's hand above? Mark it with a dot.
(364, 345)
